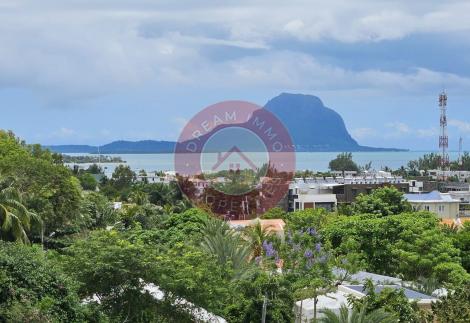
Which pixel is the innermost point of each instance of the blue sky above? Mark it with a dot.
(89, 72)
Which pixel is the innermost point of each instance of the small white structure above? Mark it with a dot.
(442, 204)
(304, 310)
(416, 186)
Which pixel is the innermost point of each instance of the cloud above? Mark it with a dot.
(427, 133)
(403, 130)
(86, 49)
(462, 126)
(362, 133)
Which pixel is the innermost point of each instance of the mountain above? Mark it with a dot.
(312, 126)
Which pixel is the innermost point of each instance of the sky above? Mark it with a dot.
(94, 71)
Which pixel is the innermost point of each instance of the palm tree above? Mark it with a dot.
(139, 198)
(15, 219)
(226, 246)
(256, 235)
(356, 316)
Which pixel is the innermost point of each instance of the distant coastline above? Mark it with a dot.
(167, 147)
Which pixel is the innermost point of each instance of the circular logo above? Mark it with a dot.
(235, 157)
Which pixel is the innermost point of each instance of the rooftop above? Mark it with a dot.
(409, 293)
(434, 196)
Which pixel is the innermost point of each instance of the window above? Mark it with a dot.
(297, 205)
(426, 207)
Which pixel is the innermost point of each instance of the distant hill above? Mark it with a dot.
(120, 147)
(312, 126)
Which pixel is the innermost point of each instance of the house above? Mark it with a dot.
(327, 192)
(464, 198)
(443, 204)
(460, 175)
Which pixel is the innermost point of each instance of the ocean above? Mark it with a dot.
(317, 161)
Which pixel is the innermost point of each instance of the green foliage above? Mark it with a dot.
(390, 300)
(15, 218)
(49, 188)
(88, 181)
(455, 307)
(248, 307)
(427, 162)
(227, 247)
(383, 201)
(410, 244)
(186, 225)
(275, 213)
(33, 289)
(113, 269)
(462, 241)
(343, 162)
(309, 218)
(122, 177)
(356, 316)
(97, 211)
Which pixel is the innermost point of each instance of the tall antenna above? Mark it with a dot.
(99, 157)
(460, 150)
(443, 138)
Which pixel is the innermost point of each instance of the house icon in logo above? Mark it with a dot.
(235, 165)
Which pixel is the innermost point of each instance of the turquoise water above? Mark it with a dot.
(317, 161)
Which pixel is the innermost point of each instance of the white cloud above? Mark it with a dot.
(427, 133)
(85, 49)
(363, 133)
(462, 126)
(399, 129)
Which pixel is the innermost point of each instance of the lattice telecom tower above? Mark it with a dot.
(443, 138)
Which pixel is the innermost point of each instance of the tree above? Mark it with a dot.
(454, 307)
(256, 235)
(343, 162)
(117, 268)
(462, 242)
(122, 177)
(88, 181)
(33, 289)
(262, 290)
(427, 162)
(139, 197)
(229, 249)
(392, 301)
(48, 189)
(15, 218)
(356, 316)
(382, 201)
(113, 269)
(409, 244)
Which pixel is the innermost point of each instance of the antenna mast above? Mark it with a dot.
(460, 151)
(443, 138)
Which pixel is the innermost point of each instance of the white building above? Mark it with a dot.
(416, 186)
(443, 204)
(462, 175)
(310, 195)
